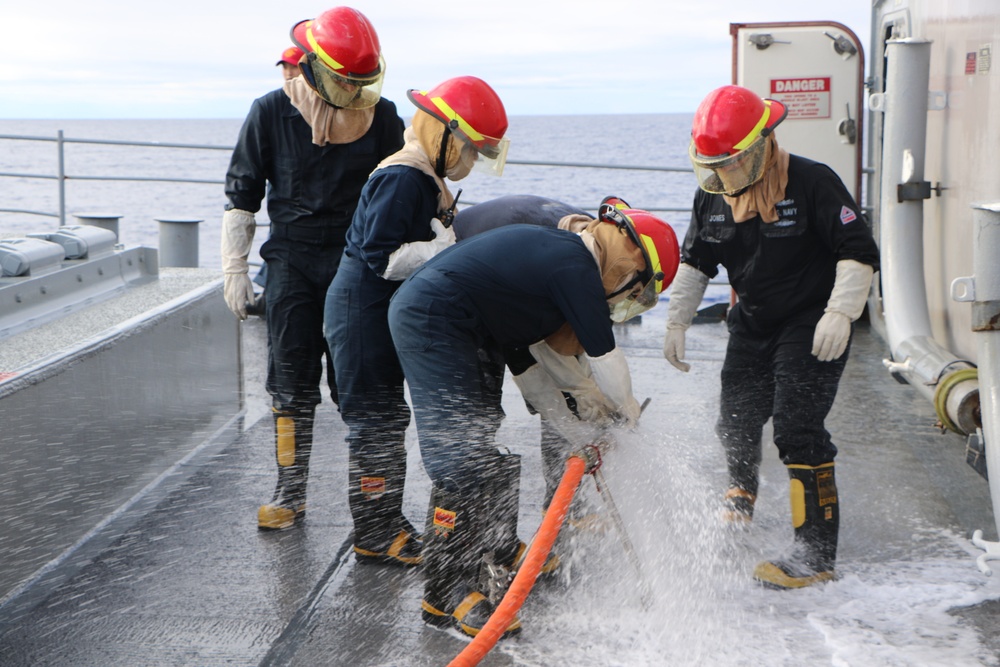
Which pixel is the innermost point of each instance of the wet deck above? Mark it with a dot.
(191, 581)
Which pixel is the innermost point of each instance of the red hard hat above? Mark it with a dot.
(730, 118)
(291, 55)
(344, 40)
(659, 244)
(654, 236)
(470, 108)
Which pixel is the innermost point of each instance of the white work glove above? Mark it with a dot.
(612, 377)
(686, 293)
(846, 303)
(237, 238)
(574, 378)
(409, 257)
(539, 390)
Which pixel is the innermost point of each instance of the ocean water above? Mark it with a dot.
(631, 140)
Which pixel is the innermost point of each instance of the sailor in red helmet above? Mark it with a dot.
(308, 148)
(800, 258)
(289, 62)
(400, 223)
(510, 287)
(552, 374)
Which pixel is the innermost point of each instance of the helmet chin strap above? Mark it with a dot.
(439, 168)
(442, 160)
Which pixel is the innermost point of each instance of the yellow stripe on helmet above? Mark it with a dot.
(323, 55)
(654, 260)
(755, 132)
(451, 114)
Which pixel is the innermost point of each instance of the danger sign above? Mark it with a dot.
(804, 97)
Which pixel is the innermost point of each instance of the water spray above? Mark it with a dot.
(587, 460)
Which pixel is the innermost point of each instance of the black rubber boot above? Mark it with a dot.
(375, 494)
(504, 497)
(816, 518)
(293, 432)
(454, 543)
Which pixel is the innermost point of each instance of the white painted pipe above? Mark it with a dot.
(916, 356)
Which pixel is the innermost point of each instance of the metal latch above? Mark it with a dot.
(848, 128)
(762, 40)
(842, 45)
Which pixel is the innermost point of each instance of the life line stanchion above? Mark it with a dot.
(534, 559)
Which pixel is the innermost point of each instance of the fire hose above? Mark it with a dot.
(584, 461)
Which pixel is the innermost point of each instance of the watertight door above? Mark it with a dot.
(817, 70)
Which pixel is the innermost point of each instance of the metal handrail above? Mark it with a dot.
(60, 140)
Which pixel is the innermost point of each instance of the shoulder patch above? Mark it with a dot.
(847, 215)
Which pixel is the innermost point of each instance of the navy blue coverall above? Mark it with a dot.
(311, 200)
(783, 273)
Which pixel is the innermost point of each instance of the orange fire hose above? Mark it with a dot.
(538, 551)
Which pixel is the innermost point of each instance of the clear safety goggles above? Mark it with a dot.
(731, 174)
(642, 290)
(638, 301)
(340, 91)
(491, 152)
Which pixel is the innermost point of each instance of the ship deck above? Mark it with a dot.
(191, 581)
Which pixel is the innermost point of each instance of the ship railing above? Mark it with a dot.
(61, 176)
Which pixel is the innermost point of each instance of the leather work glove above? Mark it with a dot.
(237, 238)
(612, 377)
(846, 303)
(686, 293)
(539, 390)
(409, 257)
(572, 377)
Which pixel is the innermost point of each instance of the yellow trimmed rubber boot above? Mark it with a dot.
(382, 535)
(453, 554)
(292, 444)
(816, 519)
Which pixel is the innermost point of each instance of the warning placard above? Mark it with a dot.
(807, 97)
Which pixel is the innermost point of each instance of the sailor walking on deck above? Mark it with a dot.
(511, 287)
(800, 258)
(314, 142)
(399, 224)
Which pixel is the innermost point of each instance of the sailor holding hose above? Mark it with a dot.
(563, 388)
(511, 287)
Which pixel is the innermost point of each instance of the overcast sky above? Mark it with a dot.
(66, 59)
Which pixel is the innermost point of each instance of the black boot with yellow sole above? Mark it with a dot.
(293, 433)
(382, 535)
(816, 519)
(454, 545)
